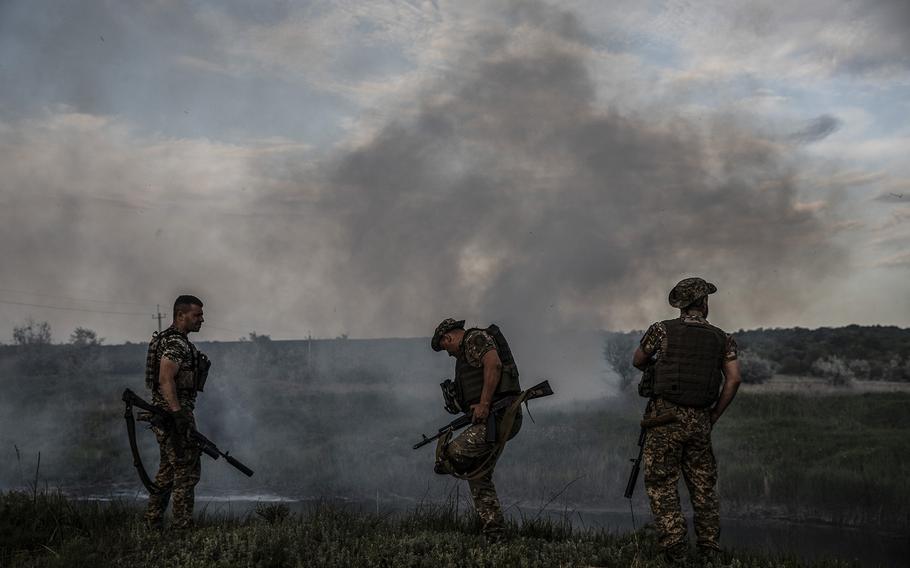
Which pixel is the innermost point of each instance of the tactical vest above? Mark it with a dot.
(469, 379)
(688, 373)
(192, 379)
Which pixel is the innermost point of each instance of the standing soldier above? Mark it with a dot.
(174, 371)
(485, 372)
(691, 373)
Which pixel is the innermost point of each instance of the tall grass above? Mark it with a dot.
(51, 531)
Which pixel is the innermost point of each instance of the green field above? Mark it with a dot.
(46, 530)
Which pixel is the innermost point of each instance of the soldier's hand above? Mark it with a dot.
(183, 420)
(714, 417)
(479, 412)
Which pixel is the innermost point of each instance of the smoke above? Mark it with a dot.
(510, 193)
(513, 184)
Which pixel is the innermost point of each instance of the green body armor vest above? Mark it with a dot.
(689, 372)
(186, 380)
(469, 379)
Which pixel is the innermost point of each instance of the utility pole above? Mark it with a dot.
(309, 355)
(158, 317)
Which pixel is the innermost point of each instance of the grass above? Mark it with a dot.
(836, 459)
(47, 530)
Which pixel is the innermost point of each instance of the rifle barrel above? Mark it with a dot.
(236, 463)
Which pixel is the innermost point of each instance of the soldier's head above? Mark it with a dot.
(448, 336)
(188, 313)
(691, 294)
(698, 306)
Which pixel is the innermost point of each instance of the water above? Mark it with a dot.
(807, 541)
(777, 538)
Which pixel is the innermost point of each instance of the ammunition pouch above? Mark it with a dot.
(443, 466)
(450, 397)
(646, 384)
(201, 370)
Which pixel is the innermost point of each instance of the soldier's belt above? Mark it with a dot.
(659, 420)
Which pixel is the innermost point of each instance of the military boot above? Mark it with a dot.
(677, 554)
(708, 556)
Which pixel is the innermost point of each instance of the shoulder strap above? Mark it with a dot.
(150, 485)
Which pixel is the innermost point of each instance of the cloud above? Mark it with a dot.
(805, 40)
(900, 260)
(816, 129)
(902, 196)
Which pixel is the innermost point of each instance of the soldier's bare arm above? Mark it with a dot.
(492, 373)
(640, 359)
(732, 380)
(167, 374)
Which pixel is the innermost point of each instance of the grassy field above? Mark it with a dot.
(46, 530)
(838, 459)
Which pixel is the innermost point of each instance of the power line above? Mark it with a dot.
(71, 297)
(74, 309)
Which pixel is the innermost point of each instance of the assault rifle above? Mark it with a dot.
(537, 391)
(646, 423)
(162, 418)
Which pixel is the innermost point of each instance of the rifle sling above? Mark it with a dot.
(508, 420)
(150, 485)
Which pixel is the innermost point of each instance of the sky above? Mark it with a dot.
(369, 168)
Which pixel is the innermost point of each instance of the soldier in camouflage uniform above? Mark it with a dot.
(690, 359)
(172, 375)
(485, 371)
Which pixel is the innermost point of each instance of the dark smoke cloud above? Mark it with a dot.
(511, 194)
(817, 129)
(508, 191)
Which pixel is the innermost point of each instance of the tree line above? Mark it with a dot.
(839, 355)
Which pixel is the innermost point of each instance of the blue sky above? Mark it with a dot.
(371, 167)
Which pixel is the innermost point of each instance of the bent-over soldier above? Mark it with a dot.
(485, 372)
(694, 375)
(175, 371)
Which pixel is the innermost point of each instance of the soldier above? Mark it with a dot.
(692, 373)
(175, 370)
(485, 372)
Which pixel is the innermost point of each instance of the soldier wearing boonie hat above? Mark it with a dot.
(691, 373)
(485, 371)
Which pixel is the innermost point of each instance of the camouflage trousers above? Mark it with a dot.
(178, 474)
(468, 451)
(682, 447)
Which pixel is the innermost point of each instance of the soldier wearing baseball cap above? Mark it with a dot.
(485, 372)
(691, 375)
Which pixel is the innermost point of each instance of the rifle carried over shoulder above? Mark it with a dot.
(537, 391)
(162, 419)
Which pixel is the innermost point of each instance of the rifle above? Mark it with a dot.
(646, 423)
(162, 418)
(537, 391)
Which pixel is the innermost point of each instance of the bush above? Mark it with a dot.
(754, 368)
(833, 369)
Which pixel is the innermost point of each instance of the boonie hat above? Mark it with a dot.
(689, 290)
(443, 328)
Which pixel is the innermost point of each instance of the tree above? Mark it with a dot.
(260, 338)
(834, 369)
(83, 337)
(754, 368)
(618, 350)
(32, 333)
